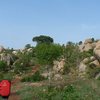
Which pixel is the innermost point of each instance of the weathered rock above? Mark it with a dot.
(59, 66)
(95, 62)
(88, 47)
(88, 41)
(86, 60)
(81, 47)
(15, 52)
(97, 50)
(92, 58)
(29, 50)
(7, 58)
(82, 67)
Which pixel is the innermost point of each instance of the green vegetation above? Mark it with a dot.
(33, 78)
(3, 66)
(29, 65)
(78, 90)
(47, 53)
(72, 56)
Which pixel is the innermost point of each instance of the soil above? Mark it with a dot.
(14, 96)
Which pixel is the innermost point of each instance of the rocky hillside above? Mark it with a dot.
(83, 58)
(92, 61)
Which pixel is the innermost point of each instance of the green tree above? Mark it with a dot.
(46, 54)
(28, 46)
(42, 39)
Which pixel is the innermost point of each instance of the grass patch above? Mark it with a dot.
(78, 90)
(33, 78)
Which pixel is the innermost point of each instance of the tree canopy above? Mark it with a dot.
(42, 39)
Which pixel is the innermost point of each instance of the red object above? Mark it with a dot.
(5, 88)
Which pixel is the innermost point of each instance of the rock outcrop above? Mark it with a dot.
(87, 45)
(6, 58)
(97, 50)
(59, 66)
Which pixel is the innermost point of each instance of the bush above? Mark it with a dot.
(92, 72)
(47, 53)
(72, 56)
(8, 76)
(23, 63)
(3, 66)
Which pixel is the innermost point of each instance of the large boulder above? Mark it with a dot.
(97, 50)
(95, 63)
(88, 47)
(88, 41)
(81, 47)
(59, 66)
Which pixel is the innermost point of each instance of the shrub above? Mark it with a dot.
(72, 56)
(3, 66)
(92, 72)
(23, 63)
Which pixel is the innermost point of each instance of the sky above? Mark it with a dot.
(63, 20)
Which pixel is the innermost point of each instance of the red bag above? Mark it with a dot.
(5, 88)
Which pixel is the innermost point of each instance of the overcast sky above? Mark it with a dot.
(63, 20)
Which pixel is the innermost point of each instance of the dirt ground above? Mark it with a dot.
(14, 96)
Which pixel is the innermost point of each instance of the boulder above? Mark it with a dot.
(15, 52)
(29, 50)
(86, 60)
(81, 47)
(82, 67)
(97, 50)
(92, 58)
(88, 47)
(59, 66)
(6, 58)
(95, 62)
(88, 41)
